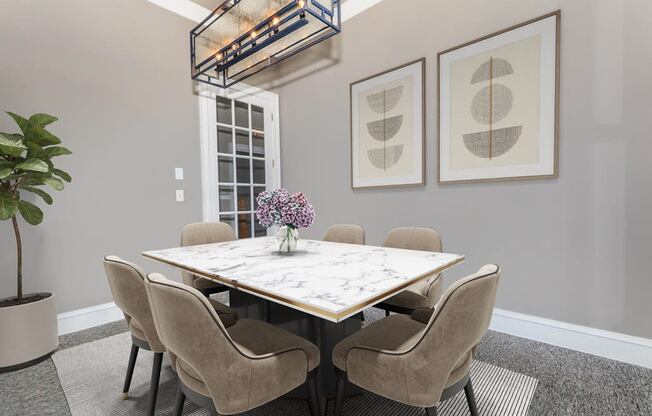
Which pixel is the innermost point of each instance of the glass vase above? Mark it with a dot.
(287, 239)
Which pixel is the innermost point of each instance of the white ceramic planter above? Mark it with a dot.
(27, 333)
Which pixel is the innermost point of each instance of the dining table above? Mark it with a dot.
(319, 292)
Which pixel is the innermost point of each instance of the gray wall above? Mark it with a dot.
(574, 249)
(116, 74)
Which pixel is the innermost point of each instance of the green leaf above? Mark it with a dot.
(55, 183)
(62, 174)
(4, 172)
(56, 151)
(20, 120)
(41, 136)
(10, 145)
(8, 205)
(10, 151)
(32, 214)
(33, 165)
(41, 120)
(35, 151)
(32, 181)
(8, 140)
(44, 195)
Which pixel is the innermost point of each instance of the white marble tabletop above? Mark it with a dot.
(330, 280)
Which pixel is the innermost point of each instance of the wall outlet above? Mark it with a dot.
(178, 174)
(180, 197)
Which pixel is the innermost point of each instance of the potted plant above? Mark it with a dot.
(28, 322)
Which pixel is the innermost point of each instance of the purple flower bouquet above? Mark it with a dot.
(289, 211)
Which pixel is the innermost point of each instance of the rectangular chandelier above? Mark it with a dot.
(242, 37)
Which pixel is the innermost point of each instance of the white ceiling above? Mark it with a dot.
(197, 10)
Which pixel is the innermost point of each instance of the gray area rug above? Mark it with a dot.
(92, 374)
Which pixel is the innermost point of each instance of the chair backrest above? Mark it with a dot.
(345, 233)
(414, 238)
(126, 281)
(204, 233)
(460, 320)
(191, 330)
(424, 239)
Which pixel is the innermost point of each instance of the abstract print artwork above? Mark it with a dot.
(387, 133)
(498, 105)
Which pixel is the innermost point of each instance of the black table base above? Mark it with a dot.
(325, 334)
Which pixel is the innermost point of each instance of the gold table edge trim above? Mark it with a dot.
(332, 316)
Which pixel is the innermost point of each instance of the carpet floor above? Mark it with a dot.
(91, 376)
(569, 382)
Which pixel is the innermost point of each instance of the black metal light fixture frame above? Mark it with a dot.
(217, 69)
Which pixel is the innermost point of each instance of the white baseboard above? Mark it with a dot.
(612, 345)
(88, 317)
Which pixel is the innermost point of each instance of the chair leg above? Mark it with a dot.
(386, 313)
(339, 392)
(130, 371)
(153, 387)
(178, 405)
(313, 399)
(431, 411)
(470, 398)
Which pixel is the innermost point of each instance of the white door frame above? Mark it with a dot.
(208, 140)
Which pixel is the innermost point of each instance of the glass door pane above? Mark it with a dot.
(242, 170)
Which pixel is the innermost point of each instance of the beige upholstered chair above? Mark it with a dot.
(205, 233)
(345, 233)
(126, 281)
(423, 359)
(426, 293)
(230, 370)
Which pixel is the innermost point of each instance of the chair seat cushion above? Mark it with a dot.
(410, 298)
(202, 283)
(136, 329)
(227, 315)
(258, 338)
(394, 333)
(191, 378)
(460, 369)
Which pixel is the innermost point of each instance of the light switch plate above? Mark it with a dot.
(180, 196)
(178, 174)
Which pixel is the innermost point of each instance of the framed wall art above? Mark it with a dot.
(387, 128)
(499, 105)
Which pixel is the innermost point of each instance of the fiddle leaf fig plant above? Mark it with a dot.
(26, 167)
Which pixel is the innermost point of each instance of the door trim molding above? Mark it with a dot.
(207, 135)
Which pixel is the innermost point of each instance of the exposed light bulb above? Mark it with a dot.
(254, 34)
(302, 3)
(276, 21)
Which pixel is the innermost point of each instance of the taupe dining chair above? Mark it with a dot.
(345, 233)
(229, 370)
(426, 293)
(126, 281)
(423, 359)
(205, 233)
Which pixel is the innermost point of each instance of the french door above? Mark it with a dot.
(240, 153)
